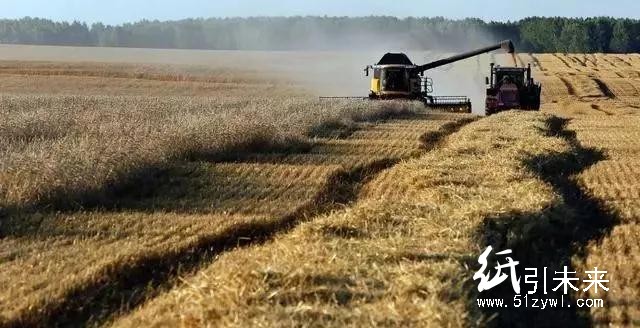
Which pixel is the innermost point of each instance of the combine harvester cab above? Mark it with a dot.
(395, 76)
(511, 88)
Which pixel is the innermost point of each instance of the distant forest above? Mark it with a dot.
(535, 34)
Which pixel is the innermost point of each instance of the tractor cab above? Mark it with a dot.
(515, 75)
(511, 88)
(520, 76)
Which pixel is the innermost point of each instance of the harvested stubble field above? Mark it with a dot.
(600, 106)
(168, 194)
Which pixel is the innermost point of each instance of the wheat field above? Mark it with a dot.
(143, 188)
(601, 103)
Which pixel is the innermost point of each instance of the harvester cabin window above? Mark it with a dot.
(394, 79)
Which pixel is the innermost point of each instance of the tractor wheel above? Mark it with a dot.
(488, 111)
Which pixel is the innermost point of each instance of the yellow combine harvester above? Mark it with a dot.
(396, 77)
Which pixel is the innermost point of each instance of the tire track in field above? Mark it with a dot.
(576, 60)
(570, 89)
(591, 59)
(564, 61)
(598, 108)
(622, 60)
(609, 62)
(124, 288)
(537, 63)
(604, 88)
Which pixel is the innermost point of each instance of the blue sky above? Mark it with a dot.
(119, 11)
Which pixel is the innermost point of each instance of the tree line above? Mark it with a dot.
(534, 34)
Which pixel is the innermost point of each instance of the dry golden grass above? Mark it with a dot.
(398, 257)
(166, 72)
(120, 182)
(610, 123)
(219, 202)
(100, 86)
(616, 182)
(114, 79)
(76, 145)
(117, 164)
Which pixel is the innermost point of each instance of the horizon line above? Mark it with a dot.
(310, 16)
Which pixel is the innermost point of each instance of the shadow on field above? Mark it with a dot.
(180, 187)
(546, 239)
(126, 288)
(123, 288)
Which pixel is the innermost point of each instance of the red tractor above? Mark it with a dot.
(511, 88)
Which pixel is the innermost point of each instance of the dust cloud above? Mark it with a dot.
(341, 73)
(320, 72)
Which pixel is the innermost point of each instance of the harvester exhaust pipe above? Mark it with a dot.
(491, 79)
